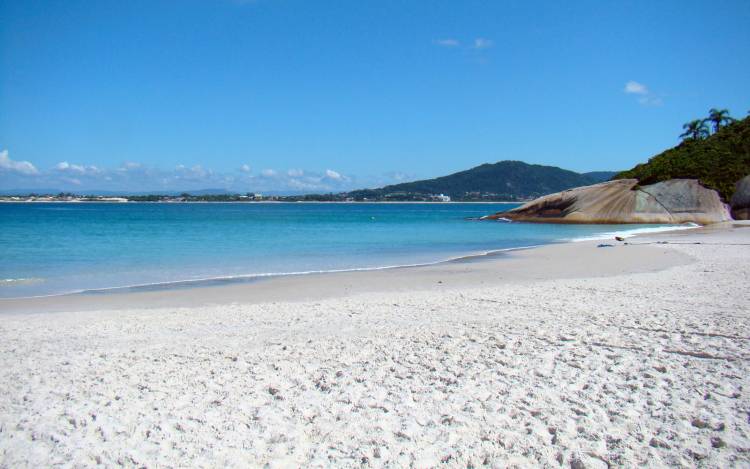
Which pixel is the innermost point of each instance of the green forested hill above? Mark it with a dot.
(718, 161)
(505, 179)
(600, 176)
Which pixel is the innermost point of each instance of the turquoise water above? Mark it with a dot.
(59, 248)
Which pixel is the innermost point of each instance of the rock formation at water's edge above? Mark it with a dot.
(625, 201)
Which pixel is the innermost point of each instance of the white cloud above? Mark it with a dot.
(447, 42)
(331, 174)
(64, 166)
(195, 173)
(245, 168)
(645, 96)
(481, 43)
(633, 87)
(129, 166)
(20, 167)
(199, 171)
(136, 177)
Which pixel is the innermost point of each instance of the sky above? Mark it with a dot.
(318, 96)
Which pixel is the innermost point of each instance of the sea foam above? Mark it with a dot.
(635, 231)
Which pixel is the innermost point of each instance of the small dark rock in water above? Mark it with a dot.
(717, 442)
(619, 238)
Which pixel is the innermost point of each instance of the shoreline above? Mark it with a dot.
(270, 276)
(258, 288)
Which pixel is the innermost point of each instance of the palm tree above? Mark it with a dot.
(718, 117)
(695, 130)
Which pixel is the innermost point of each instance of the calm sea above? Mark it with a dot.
(53, 248)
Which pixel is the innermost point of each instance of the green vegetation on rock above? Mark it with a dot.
(717, 161)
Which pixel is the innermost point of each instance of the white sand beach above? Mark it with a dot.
(567, 355)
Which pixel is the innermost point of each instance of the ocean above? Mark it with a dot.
(58, 248)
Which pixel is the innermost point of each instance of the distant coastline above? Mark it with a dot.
(109, 201)
(504, 181)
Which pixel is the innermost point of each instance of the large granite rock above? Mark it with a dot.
(624, 201)
(741, 200)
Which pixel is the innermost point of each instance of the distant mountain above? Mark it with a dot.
(509, 180)
(600, 176)
(718, 161)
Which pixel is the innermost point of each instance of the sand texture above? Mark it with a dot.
(628, 369)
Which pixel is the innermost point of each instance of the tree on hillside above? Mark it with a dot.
(718, 117)
(695, 130)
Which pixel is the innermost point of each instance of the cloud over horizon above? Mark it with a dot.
(19, 167)
(133, 176)
(335, 175)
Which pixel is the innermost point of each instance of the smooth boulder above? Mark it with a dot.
(625, 201)
(741, 199)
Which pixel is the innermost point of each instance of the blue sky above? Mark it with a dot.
(313, 96)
